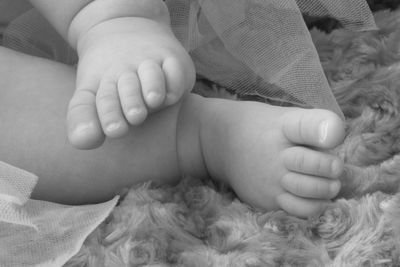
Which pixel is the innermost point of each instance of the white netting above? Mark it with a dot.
(354, 15)
(15, 185)
(39, 233)
(30, 33)
(254, 47)
(263, 47)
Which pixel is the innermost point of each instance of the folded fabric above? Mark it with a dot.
(263, 48)
(40, 233)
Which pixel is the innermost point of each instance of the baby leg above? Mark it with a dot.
(34, 99)
(271, 156)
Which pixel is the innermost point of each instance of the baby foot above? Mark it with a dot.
(273, 157)
(128, 67)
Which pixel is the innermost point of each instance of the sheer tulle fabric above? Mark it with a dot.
(263, 47)
(40, 233)
(253, 47)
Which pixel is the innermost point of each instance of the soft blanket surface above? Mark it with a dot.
(201, 224)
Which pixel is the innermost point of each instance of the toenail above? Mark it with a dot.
(323, 131)
(335, 187)
(153, 96)
(83, 127)
(136, 115)
(134, 112)
(113, 127)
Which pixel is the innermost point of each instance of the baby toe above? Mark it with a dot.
(301, 207)
(312, 162)
(152, 82)
(109, 110)
(132, 102)
(84, 130)
(175, 80)
(310, 186)
(314, 127)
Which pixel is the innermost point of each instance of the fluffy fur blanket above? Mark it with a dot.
(202, 224)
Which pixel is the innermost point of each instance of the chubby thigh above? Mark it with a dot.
(34, 95)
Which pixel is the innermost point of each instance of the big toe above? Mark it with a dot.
(152, 81)
(84, 129)
(179, 77)
(314, 127)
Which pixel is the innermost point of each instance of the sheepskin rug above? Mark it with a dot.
(199, 223)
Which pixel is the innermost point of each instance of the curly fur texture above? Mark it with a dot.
(200, 224)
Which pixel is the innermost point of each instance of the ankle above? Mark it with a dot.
(105, 31)
(93, 14)
(189, 146)
(217, 124)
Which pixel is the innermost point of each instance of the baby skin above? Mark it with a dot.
(128, 67)
(130, 64)
(272, 157)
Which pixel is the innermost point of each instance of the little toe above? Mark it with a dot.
(310, 186)
(132, 102)
(301, 207)
(315, 127)
(109, 110)
(152, 82)
(312, 162)
(175, 80)
(84, 130)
